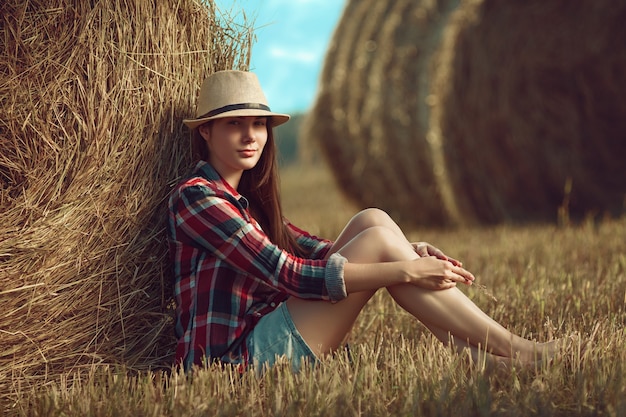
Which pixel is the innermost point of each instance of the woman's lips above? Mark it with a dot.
(247, 153)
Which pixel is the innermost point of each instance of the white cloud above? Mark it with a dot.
(274, 4)
(294, 55)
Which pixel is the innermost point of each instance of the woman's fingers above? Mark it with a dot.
(463, 274)
(440, 274)
(454, 261)
(426, 249)
(439, 254)
(421, 248)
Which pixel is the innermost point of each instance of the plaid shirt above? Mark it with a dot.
(228, 274)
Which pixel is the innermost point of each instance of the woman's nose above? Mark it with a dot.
(250, 133)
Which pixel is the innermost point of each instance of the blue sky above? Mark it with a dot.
(292, 37)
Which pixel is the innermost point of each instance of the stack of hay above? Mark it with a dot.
(470, 112)
(92, 95)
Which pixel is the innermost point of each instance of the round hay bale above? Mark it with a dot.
(91, 97)
(365, 113)
(538, 87)
(462, 112)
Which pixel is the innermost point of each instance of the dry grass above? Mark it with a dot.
(321, 212)
(549, 282)
(91, 97)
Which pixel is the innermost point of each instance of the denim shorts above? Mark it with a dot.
(275, 338)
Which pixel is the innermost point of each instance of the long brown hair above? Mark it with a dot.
(260, 186)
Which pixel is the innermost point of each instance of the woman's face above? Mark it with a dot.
(235, 143)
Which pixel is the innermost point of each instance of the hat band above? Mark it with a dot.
(240, 106)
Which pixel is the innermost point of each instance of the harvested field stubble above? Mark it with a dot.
(91, 97)
(474, 112)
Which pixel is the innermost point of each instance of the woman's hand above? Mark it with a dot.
(424, 249)
(434, 273)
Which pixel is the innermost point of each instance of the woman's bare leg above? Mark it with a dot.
(372, 236)
(450, 313)
(324, 325)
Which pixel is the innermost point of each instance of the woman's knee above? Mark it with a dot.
(379, 244)
(372, 236)
(373, 217)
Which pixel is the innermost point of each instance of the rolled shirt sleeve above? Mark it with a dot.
(334, 277)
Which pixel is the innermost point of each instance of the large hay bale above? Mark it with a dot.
(448, 112)
(92, 95)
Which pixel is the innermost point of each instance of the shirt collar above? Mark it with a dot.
(206, 171)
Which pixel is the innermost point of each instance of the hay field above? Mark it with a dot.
(548, 282)
(91, 97)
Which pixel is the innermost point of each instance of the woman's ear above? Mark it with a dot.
(205, 131)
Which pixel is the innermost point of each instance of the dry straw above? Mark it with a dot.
(91, 98)
(479, 111)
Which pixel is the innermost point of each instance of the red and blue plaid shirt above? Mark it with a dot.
(228, 274)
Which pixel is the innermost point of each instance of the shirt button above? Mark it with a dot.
(273, 304)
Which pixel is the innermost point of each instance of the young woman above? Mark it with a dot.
(251, 287)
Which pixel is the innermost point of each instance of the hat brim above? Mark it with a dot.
(276, 118)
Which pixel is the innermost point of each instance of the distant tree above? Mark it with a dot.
(287, 140)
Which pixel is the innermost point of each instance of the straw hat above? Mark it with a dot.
(230, 94)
